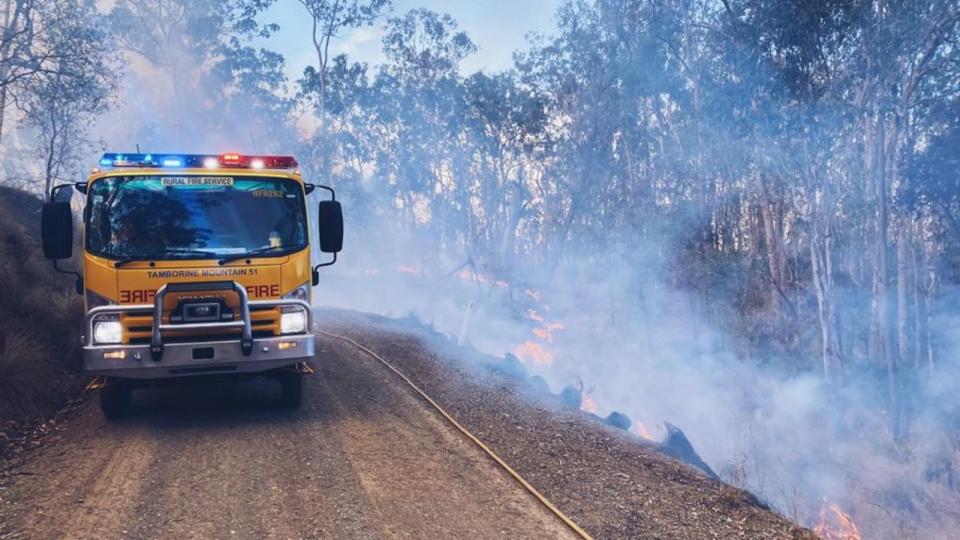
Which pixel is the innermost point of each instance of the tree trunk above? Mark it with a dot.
(904, 341)
(776, 255)
(884, 309)
(822, 269)
(3, 115)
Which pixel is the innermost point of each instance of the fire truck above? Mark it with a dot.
(194, 266)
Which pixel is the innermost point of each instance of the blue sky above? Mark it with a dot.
(497, 27)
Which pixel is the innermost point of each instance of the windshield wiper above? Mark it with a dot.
(172, 251)
(251, 253)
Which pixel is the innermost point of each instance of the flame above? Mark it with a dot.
(587, 403)
(477, 277)
(534, 352)
(534, 316)
(534, 295)
(545, 332)
(407, 269)
(835, 524)
(642, 431)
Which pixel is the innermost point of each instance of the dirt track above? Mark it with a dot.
(363, 458)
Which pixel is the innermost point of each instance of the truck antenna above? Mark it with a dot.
(138, 148)
(254, 141)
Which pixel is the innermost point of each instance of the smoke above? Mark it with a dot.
(645, 348)
(614, 316)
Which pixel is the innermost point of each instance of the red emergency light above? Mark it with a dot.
(231, 159)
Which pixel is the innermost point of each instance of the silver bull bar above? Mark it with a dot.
(156, 340)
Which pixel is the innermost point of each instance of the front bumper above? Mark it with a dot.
(179, 359)
(162, 359)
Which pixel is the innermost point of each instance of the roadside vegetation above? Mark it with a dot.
(40, 317)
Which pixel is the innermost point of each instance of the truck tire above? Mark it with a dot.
(291, 386)
(115, 399)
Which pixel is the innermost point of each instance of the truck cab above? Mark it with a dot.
(194, 266)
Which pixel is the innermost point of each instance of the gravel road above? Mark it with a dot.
(363, 458)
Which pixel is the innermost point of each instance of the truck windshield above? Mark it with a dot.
(194, 217)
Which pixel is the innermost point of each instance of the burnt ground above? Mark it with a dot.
(364, 457)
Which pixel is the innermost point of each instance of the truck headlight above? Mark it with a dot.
(293, 323)
(107, 332)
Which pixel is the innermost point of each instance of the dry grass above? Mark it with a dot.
(40, 318)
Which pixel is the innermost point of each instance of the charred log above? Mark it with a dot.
(511, 367)
(676, 445)
(539, 385)
(572, 396)
(619, 420)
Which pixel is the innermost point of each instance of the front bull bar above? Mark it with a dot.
(246, 335)
(156, 339)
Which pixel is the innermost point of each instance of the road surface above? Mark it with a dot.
(363, 458)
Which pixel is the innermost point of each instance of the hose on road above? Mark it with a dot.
(497, 459)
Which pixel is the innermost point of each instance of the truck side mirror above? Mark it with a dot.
(56, 230)
(330, 220)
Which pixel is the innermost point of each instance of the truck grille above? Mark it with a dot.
(139, 328)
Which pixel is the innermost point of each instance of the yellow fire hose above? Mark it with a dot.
(503, 464)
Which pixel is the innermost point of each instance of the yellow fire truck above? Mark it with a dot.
(194, 265)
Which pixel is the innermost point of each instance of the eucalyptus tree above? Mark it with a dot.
(198, 49)
(420, 106)
(57, 73)
(328, 19)
(43, 41)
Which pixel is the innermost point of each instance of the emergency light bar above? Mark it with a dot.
(197, 161)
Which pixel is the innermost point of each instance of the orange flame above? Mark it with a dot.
(481, 279)
(545, 332)
(534, 352)
(587, 403)
(406, 269)
(642, 431)
(835, 524)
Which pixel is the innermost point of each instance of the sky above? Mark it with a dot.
(497, 27)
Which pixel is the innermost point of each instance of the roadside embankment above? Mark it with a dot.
(39, 325)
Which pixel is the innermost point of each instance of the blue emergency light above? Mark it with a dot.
(196, 161)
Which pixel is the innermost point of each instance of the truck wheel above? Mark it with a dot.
(291, 384)
(115, 399)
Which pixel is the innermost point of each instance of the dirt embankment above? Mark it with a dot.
(40, 316)
(611, 483)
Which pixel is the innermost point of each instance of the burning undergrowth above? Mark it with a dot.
(645, 358)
